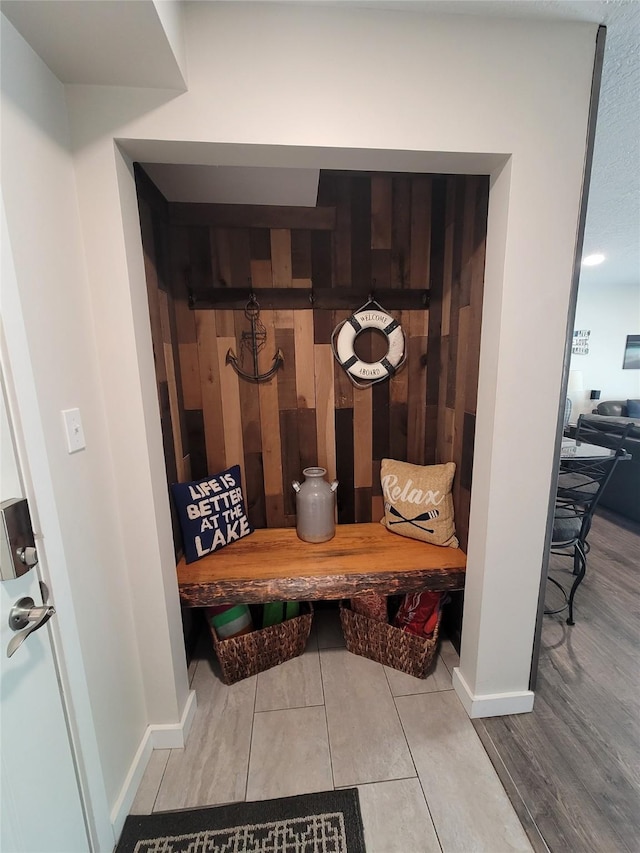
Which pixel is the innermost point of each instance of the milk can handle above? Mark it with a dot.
(296, 485)
(334, 485)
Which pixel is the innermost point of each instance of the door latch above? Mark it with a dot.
(25, 616)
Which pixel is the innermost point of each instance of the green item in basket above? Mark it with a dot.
(230, 620)
(272, 613)
(275, 612)
(293, 609)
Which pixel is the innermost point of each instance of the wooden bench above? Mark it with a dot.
(274, 565)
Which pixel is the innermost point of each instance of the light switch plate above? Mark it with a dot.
(73, 430)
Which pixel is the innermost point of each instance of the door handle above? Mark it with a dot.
(26, 615)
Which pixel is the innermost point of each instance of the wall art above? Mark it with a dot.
(631, 359)
(580, 345)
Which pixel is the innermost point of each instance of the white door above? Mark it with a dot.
(40, 806)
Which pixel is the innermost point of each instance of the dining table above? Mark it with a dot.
(572, 449)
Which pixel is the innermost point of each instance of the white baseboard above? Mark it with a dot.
(491, 704)
(132, 781)
(174, 735)
(170, 736)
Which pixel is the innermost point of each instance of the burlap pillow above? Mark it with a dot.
(418, 501)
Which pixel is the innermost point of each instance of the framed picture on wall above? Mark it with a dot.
(632, 353)
(580, 345)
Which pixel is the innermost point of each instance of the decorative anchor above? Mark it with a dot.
(255, 341)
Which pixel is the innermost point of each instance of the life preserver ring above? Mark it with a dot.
(370, 318)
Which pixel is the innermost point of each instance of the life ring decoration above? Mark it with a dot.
(370, 316)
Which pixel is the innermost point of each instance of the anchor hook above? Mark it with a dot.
(254, 341)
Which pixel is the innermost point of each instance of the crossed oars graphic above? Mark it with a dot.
(425, 516)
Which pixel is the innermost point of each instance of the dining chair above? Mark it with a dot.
(602, 433)
(581, 482)
(574, 481)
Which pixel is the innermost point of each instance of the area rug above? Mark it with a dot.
(329, 822)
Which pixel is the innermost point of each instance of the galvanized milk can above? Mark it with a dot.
(315, 506)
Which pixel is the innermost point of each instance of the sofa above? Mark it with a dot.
(622, 494)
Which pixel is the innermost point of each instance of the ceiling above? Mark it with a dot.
(126, 43)
(235, 184)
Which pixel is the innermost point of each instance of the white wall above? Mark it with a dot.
(610, 315)
(86, 555)
(310, 87)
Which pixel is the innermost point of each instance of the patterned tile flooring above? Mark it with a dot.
(332, 719)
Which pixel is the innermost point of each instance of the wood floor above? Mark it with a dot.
(572, 767)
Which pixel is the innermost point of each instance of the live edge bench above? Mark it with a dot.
(274, 565)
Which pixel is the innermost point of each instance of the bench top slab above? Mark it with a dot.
(274, 565)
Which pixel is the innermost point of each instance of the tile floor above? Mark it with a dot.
(332, 719)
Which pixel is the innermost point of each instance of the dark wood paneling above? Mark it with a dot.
(148, 191)
(380, 271)
(363, 509)
(300, 254)
(458, 252)
(195, 441)
(301, 298)
(254, 490)
(415, 241)
(361, 232)
(398, 431)
(167, 443)
(321, 267)
(466, 463)
(250, 408)
(291, 468)
(431, 436)
(276, 516)
(200, 274)
(381, 211)
(240, 257)
(308, 438)
(344, 465)
(322, 326)
(340, 191)
(167, 431)
(401, 232)
(380, 407)
(420, 232)
(287, 394)
(260, 244)
(160, 266)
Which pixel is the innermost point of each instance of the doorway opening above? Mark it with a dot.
(416, 242)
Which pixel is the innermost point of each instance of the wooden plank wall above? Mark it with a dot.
(155, 241)
(369, 231)
(460, 205)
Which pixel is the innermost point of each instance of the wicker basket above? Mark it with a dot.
(249, 654)
(386, 644)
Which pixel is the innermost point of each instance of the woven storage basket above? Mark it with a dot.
(387, 644)
(249, 654)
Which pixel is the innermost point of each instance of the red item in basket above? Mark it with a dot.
(418, 613)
